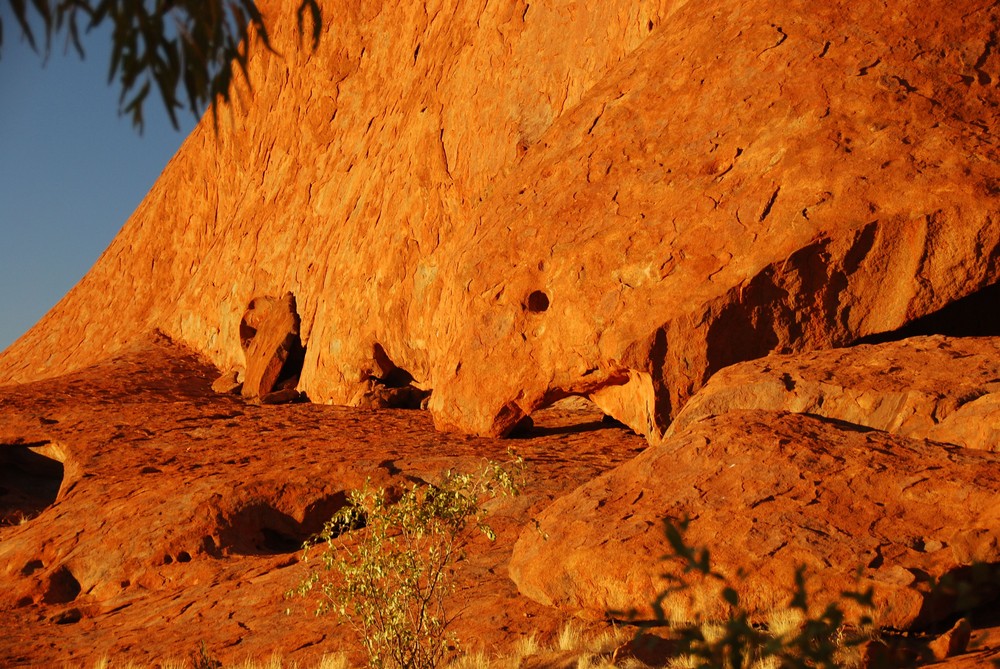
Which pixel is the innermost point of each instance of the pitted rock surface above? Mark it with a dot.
(522, 201)
(181, 512)
(941, 388)
(769, 492)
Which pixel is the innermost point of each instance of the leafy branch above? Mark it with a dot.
(188, 50)
(390, 581)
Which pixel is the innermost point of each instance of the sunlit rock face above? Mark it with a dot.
(515, 202)
(773, 492)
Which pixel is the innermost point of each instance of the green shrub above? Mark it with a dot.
(390, 581)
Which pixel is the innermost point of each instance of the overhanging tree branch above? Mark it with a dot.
(187, 49)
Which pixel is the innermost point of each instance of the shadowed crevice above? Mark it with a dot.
(29, 482)
(259, 528)
(977, 315)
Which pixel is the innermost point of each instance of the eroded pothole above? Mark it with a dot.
(258, 528)
(29, 481)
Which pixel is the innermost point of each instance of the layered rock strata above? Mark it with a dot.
(941, 388)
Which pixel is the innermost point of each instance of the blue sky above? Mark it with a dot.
(71, 170)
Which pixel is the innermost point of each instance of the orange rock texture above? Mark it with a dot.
(516, 201)
(941, 388)
(762, 235)
(142, 514)
(771, 492)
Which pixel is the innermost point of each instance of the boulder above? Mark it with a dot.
(269, 335)
(767, 493)
(975, 424)
(953, 642)
(940, 388)
(229, 383)
(518, 203)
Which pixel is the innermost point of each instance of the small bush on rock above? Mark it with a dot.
(391, 583)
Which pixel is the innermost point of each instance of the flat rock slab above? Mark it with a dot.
(768, 492)
(942, 388)
(181, 512)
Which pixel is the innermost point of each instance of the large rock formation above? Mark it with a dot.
(941, 388)
(507, 203)
(515, 202)
(769, 493)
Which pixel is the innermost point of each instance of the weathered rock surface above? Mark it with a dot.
(975, 424)
(953, 642)
(174, 515)
(229, 383)
(269, 336)
(340, 180)
(769, 492)
(517, 202)
(940, 388)
(672, 239)
(505, 204)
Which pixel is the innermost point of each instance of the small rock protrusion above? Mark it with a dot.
(975, 545)
(68, 617)
(933, 546)
(228, 383)
(895, 575)
(389, 386)
(953, 642)
(378, 396)
(283, 396)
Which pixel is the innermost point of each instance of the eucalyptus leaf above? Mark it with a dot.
(187, 49)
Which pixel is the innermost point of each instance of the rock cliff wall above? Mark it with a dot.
(518, 201)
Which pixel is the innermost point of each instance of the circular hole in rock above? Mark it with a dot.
(183, 556)
(538, 302)
(29, 482)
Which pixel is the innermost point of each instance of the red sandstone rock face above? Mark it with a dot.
(340, 180)
(517, 202)
(755, 178)
(769, 492)
(168, 515)
(509, 203)
(940, 388)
